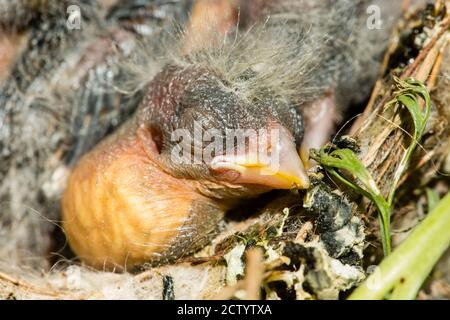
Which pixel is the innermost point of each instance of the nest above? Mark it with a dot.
(316, 244)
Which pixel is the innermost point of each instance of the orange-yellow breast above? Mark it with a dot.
(120, 209)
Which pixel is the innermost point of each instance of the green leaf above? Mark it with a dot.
(405, 270)
(347, 160)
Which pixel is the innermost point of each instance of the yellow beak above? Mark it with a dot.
(283, 169)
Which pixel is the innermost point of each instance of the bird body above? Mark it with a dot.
(57, 100)
(120, 209)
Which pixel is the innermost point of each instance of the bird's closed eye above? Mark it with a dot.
(157, 137)
(151, 139)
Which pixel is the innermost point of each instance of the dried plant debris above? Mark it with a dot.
(314, 243)
(428, 64)
(341, 233)
(299, 263)
(325, 262)
(171, 282)
(326, 277)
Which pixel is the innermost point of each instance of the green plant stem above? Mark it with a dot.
(383, 208)
(405, 270)
(385, 222)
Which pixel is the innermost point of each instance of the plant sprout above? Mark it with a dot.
(400, 275)
(407, 94)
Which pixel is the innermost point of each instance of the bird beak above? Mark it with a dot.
(278, 167)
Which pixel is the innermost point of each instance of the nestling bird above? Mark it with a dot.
(286, 67)
(57, 100)
(128, 202)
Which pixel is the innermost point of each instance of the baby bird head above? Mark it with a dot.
(196, 126)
